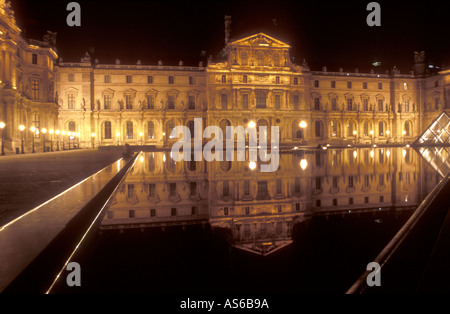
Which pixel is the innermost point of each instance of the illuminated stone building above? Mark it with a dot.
(27, 85)
(254, 81)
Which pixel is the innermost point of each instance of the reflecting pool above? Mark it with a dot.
(311, 226)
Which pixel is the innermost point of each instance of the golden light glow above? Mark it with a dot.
(51, 131)
(303, 164)
(21, 127)
(141, 159)
(251, 124)
(354, 132)
(141, 134)
(252, 165)
(44, 130)
(355, 154)
(371, 132)
(118, 134)
(404, 153)
(33, 129)
(69, 133)
(57, 132)
(371, 153)
(78, 134)
(63, 132)
(2, 125)
(93, 134)
(303, 124)
(388, 132)
(388, 153)
(403, 132)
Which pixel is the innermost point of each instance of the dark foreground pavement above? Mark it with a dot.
(27, 181)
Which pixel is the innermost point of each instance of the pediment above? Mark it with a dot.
(260, 39)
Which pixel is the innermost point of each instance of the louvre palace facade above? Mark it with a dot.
(254, 80)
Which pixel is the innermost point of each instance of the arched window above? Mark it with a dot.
(72, 126)
(351, 127)
(129, 130)
(381, 128)
(408, 128)
(150, 130)
(107, 134)
(366, 128)
(335, 129)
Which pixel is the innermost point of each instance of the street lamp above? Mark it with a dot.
(93, 140)
(63, 133)
(44, 130)
(2, 126)
(118, 138)
(33, 129)
(303, 124)
(51, 138)
(57, 132)
(22, 128)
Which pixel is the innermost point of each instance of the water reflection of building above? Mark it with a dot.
(260, 209)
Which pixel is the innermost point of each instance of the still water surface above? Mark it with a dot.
(311, 226)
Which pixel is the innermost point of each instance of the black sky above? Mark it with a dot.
(330, 33)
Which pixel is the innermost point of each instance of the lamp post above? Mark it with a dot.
(57, 132)
(69, 134)
(22, 128)
(44, 131)
(33, 129)
(93, 140)
(51, 138)
(63, 133)
(2, 126)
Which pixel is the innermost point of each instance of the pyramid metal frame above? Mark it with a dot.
(437, 134)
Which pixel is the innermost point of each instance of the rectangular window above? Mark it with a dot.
(110, 214)
(349, 104)
(150, 79)
(364, 85)
(277, 80)
(171, 80)
(318, 183)
(151, 190)
(350, 182)
(172, 189)
(194, 210)
(366, 200)
(334, 103)
(131, 213)
(350, 201)
(150, 102)
(295, 80)
(171, 102)
(297, 185)
(406, 105)
(316, 83)
(107, 101)
(34, 59)
(366, 180)
(226, 211)
(193, 188)
(35, 89)
(381, 179)
(224, 78)
(107, 79)
(152, 212)
(244, 79)
(366, 104)
(333, 84)
(108, 132)
(129, 79)
(335, 182)
(71, 77)
(260, 99)
(151, 130)
(262, 189)
(191, 102)
(316, 103)
(380, 85)
(244, 101)
(223, 101)
(173, 211)
(349, 84)
(247, 210)
(380, 105)
(191, 80)
(129, 101)
(296, 102)
(277, 101)
(71, 101)
(297, 206)
(381, 199)
(280, 208)
(335, 203)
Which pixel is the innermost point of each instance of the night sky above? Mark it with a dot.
(325, 33)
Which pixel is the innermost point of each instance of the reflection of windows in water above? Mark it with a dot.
(279, 188)
(350, 182)
(130, 190)
(172, 189)
(263, 229)
(226, 188)
(246, 187)
(279, 228)
(151, 190)
(318, 183)
(366, 156)
(407, 178)
(366, 180)
(381, 179)
(297, 185)
(335, 182)
(151, 162)
(193, 188)
(319, 159)
(247, 231)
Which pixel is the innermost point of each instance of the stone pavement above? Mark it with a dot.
(28, 180)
